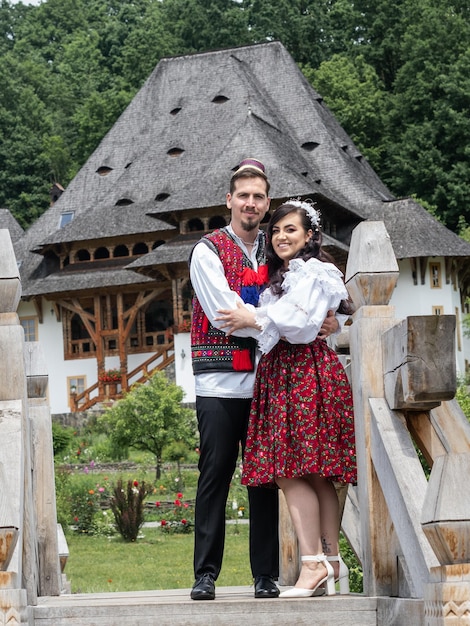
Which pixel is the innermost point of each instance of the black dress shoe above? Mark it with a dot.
(203, 588)
(265, 587)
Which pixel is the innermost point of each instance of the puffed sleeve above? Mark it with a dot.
(310, 289)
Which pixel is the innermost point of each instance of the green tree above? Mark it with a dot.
(309, 29)
(24, 171)
(198, 25)
(429, 131)
(150, 417)
(353, 91)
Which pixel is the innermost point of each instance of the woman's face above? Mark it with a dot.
(289, 237)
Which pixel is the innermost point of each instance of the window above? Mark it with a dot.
(77, 341)
(30, 327)
(438, 310)
(75, 385)
(66, 218)
(435, 273)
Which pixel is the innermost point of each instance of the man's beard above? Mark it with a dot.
(249, 226)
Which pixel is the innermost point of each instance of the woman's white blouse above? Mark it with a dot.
(310, 289)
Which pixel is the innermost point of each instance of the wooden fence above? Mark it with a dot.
(411, 534)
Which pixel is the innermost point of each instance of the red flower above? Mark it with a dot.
(136, 483)
(183, 521)
(177, 502)
(157, 503)
(163, 522)
(179, 495)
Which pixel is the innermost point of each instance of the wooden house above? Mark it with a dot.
(104, 270)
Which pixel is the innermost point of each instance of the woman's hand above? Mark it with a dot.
(235, 319)
(330, 325)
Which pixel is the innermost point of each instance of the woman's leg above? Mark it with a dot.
(304, 509)
(329, 516)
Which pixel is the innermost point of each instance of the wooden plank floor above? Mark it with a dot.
(232, 606)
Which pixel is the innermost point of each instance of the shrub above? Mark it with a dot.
(61, 438)
(178, 518)
(85, 502)
(63, 498)
(127, 505)
(463, 398)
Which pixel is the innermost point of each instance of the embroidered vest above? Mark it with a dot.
(211, 349)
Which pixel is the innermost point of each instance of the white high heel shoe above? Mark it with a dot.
(343, 576)
(328, 580)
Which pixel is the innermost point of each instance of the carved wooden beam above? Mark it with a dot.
(419, 362)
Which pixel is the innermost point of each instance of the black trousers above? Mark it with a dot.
(222, 426)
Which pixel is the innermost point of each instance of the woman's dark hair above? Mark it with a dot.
(312, 249)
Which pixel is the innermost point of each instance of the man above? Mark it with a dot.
(224, 270)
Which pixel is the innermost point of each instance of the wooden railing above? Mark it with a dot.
(410, 533)
(414, 539)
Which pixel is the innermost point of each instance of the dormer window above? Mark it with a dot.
(66, 218)
(175, 152)
(310, 146)
(220, 99)
(104, 170)
(162, 196)
(124, 202)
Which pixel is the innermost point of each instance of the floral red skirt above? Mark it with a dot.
(301, 419)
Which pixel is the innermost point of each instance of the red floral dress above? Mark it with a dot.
(301, 419)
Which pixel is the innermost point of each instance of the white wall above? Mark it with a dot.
(183, 367)
(410, 299)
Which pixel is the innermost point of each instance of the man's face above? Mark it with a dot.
(249, 203)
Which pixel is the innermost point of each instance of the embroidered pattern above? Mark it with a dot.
(212, 350)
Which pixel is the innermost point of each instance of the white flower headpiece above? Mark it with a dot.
(309, 207)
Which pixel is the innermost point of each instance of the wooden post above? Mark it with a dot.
(15, 505)
(371, 276)
(43, 475)
(446, 523)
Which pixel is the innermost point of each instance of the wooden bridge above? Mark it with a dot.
(411, 535)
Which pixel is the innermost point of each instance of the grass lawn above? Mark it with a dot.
(154, 561)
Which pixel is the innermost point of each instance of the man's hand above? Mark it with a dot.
(234, 319)
(330, 325)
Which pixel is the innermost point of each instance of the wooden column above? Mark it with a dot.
(371, 276)
(16, 501)
(43, 477)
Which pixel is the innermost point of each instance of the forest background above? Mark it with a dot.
(396, 74)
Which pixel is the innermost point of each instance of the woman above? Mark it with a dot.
(301, 429)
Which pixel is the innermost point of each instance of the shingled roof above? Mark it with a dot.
(171, 152)
(415, 233)
(109, 222)
(8, 222)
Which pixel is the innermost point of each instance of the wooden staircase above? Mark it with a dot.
(163, 356)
